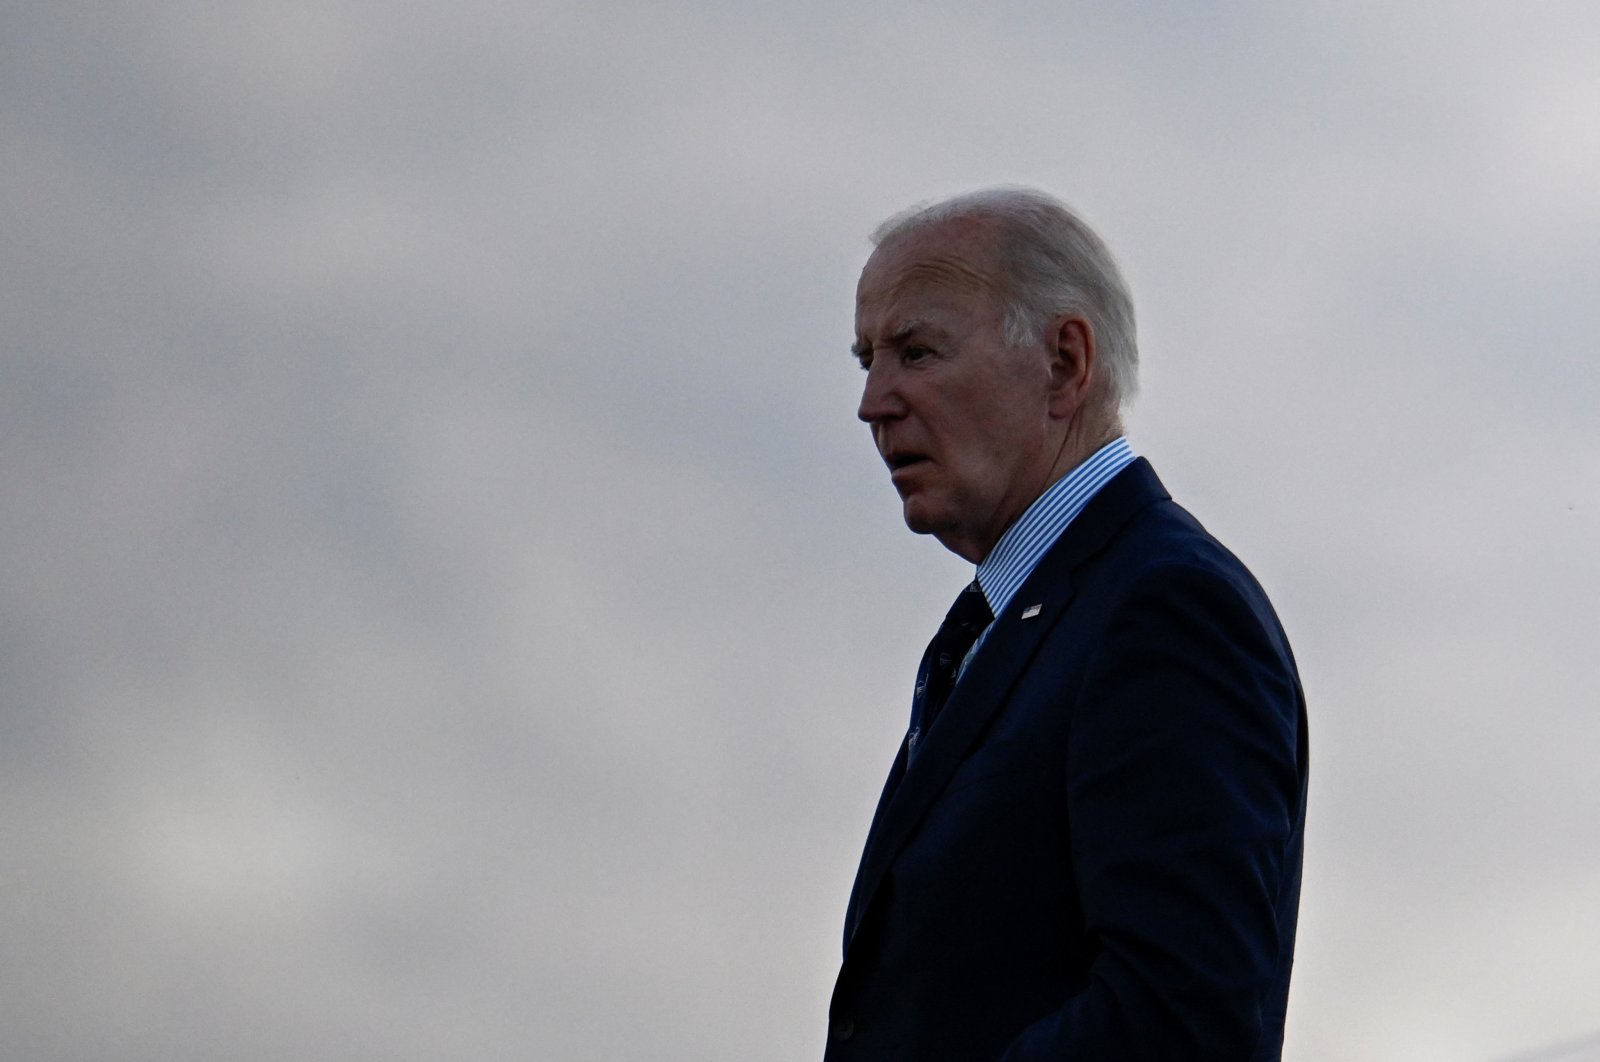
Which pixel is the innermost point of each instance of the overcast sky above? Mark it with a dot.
(449, 609)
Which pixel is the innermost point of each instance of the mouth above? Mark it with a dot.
(902, 460)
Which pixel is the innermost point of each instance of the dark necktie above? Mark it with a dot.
(963, 624)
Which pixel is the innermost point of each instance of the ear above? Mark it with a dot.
(1073, 365)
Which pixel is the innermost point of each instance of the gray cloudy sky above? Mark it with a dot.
(448, 608)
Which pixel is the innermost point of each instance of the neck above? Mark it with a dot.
(1084, 435)
(1074, 450)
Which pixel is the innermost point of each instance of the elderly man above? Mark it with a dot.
(1089, 844)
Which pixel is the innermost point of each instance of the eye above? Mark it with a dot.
(912, 355)
(864, 359)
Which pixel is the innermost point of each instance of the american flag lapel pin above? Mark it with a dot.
(1032, 611)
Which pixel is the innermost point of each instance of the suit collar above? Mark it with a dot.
(1010, 644)
(1041, 524)
(1128, 491)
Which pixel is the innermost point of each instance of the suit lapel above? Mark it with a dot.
(1008, 647)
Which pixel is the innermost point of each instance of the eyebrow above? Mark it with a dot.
(897, 338)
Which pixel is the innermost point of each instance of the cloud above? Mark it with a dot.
(451, 609)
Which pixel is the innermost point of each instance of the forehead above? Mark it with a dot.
(946, 267)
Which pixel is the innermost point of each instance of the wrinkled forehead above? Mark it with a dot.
(952, 263)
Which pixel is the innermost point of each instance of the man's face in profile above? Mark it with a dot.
(959, 417)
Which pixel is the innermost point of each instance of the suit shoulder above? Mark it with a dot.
(1166, 537)
(1165, 552)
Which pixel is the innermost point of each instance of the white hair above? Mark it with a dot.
(1051, 263)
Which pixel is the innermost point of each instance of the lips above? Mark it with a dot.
(898, 460)
(903, 467)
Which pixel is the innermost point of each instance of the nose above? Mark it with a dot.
(879, 398)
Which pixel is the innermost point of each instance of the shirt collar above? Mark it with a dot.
(1025, 542)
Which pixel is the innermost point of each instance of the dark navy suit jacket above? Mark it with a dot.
(1096, 852)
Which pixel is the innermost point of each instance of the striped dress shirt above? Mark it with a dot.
(1008, 565)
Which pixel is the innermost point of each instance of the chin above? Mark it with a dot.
(920, 520)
